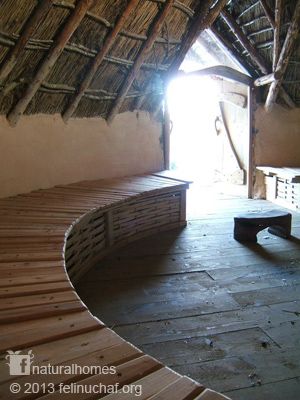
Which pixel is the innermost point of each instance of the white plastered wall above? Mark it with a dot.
(42, 151)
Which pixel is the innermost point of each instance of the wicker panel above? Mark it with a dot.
(86, 240)
(145, 214)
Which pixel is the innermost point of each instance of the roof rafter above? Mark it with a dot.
(58, 46)
(203, 19)
(284, 56)
(230, 51)
(153, 33)
(108, 42)
(30, 27)
(253, 53)
(198, 24)
(276, 46)
(242, 38)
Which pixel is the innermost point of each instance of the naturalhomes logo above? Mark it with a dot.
(22, 364)
(19, 364)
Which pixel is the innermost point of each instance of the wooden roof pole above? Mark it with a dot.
(154, 31)
(71, 25)
(30, 27)
(108, 42)
(265, 80)
(222, 71)
(286, 97)
(268, 12)
(242, 38)
(284, 56)
(203, 19)
(276, 46)
(253, 53)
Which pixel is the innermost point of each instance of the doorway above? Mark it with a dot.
(209, 122)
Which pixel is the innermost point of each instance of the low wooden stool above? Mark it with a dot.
(246, 226)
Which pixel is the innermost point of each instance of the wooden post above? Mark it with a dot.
(154, 31)
(30, 27)
(276, 45)
(250, 166)
(167, 133)
(268, 12)
(283, 60)
(242, 38)
(109, 41)
(72, 23)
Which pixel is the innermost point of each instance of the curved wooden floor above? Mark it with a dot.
(50, 235)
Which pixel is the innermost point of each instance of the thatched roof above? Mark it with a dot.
(99, 57)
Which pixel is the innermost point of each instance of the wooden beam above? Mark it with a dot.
(166, 137)
(266, 79)
(250, 166)
(284, 56)
(108, 42)
(276, 46)
(268, 12)
(58, 46)
(224, 72)
(242, 38)
(153, 33)
(202, 20)
(30, 27)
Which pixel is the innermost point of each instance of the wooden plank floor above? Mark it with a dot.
(223, 313)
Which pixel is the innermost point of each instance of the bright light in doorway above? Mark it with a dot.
(193, 106)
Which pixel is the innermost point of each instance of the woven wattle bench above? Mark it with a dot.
(46, 238)
(246, 226)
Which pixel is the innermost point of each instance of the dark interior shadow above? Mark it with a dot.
(294, 239)
(263, 251)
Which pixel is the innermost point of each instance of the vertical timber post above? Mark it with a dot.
(250, 169)
(166, 135)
